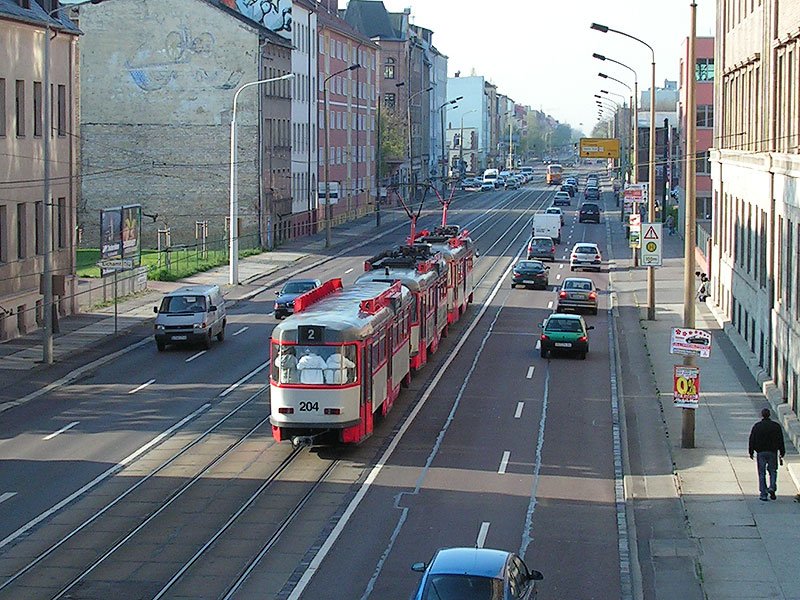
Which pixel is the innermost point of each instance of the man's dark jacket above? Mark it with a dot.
(766, 436)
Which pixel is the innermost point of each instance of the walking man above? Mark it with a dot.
(766, 440)
(671, 224)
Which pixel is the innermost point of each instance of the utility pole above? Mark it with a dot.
(378, 167)
(687, 414)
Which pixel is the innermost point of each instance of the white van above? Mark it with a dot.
(547, 225)
(490, 176)
(192, 314)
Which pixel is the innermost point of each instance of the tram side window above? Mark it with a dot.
(378, 352)
(314, 365)
(414, 304)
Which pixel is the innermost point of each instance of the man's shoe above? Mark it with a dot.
(763, 498)
(772, 495)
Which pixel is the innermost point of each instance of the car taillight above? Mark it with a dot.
(544, 337)
(592, 296)
(574, 256)
(516, 273)
(562, 295)
(552, 249)
(597, 257)
(582, 338)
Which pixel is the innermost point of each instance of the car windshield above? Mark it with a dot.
(578, 285)
(183, 304)
(530, 265)
(586, 250)
(568, 325)
(297, 287)
(553, 211)
(460, 587)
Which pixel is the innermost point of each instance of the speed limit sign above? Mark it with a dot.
(686, 386)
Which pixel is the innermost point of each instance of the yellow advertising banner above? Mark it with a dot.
(599, 148)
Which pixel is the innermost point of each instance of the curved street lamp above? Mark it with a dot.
(442, 110)
(233, 228)
(651, 194)
(328, 211)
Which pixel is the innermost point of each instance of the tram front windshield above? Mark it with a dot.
(314, 365)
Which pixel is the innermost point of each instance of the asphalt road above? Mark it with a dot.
(505, 449)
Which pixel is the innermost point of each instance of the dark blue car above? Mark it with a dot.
(476, 574)
(284, 303)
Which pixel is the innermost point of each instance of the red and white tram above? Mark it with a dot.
(459, 253)
(339, 360)
(425, 275)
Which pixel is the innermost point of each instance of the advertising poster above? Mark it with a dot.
(110, 234)
(132, 233)
(686, 386)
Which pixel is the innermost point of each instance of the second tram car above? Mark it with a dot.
(459, 254)
(339, 360)
(425, 275)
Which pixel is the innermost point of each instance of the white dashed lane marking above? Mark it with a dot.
(7, 495)
(348, 271)
(198, 355)
(530, 372)
(62, 430)
(482, 534)
(141, 387)
(242, 330)
(504, 462)
(518, 412)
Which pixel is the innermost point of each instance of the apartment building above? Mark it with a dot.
(23, 129)
(351, 113)
(755, 172)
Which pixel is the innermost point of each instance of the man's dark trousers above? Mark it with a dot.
(767, 463)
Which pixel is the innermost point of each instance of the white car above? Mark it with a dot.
(487, 186)
(585, 255)
(554, 210)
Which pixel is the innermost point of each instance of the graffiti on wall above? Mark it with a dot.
(272, 14)
(154, 66)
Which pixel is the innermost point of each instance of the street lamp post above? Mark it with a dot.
(328, 212)
(410, 137)
(510, 161)
(442, 111)
(634, 104)
(233, 228)
(651, 193)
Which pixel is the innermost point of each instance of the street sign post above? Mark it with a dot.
(116, 265)
(651, 247)
(686, 386)
(690, 342)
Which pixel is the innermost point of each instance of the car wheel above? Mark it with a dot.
(594, 311)
(161, 346)
(572, 268)
(558, 309)
(543, 353)
(513, 285)
(207, 341)
(221, 334)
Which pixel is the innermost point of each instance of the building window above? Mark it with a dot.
(705, 115)
(37, 108)
(62, 111)
(704, 69)
(38, 229)
(2, 107)
(61, 225)
(388, 68)
(389, 100)
(703, 166)
(20, 108)
(3, 235)
(21, 231)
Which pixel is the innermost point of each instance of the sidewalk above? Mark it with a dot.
(742, 547)
(80, 332)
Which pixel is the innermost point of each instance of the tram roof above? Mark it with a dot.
(408, 276)
(340, 314)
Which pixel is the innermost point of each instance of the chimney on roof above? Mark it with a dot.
(332, 6)
(458, 73)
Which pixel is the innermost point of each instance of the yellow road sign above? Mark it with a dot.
(599, 148)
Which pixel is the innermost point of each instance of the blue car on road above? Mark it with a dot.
(476, 574)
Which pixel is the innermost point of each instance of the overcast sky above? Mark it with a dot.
(540, 52)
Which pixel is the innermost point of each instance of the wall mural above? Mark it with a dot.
(152, 68)
(272, 14)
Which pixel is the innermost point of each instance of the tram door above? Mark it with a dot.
(366, 387)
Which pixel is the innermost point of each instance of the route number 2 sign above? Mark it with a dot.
(686, 386)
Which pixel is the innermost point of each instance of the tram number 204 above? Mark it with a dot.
(309, 406)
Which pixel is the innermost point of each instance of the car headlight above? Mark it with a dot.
(290, 304)
(159, 328)
(200, 325)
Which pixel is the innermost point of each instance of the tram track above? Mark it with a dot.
(76, 582)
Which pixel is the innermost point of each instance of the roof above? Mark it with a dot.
(332, 21)
(371, 18)
(265, 31)
(483, 562)
(36, 15)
